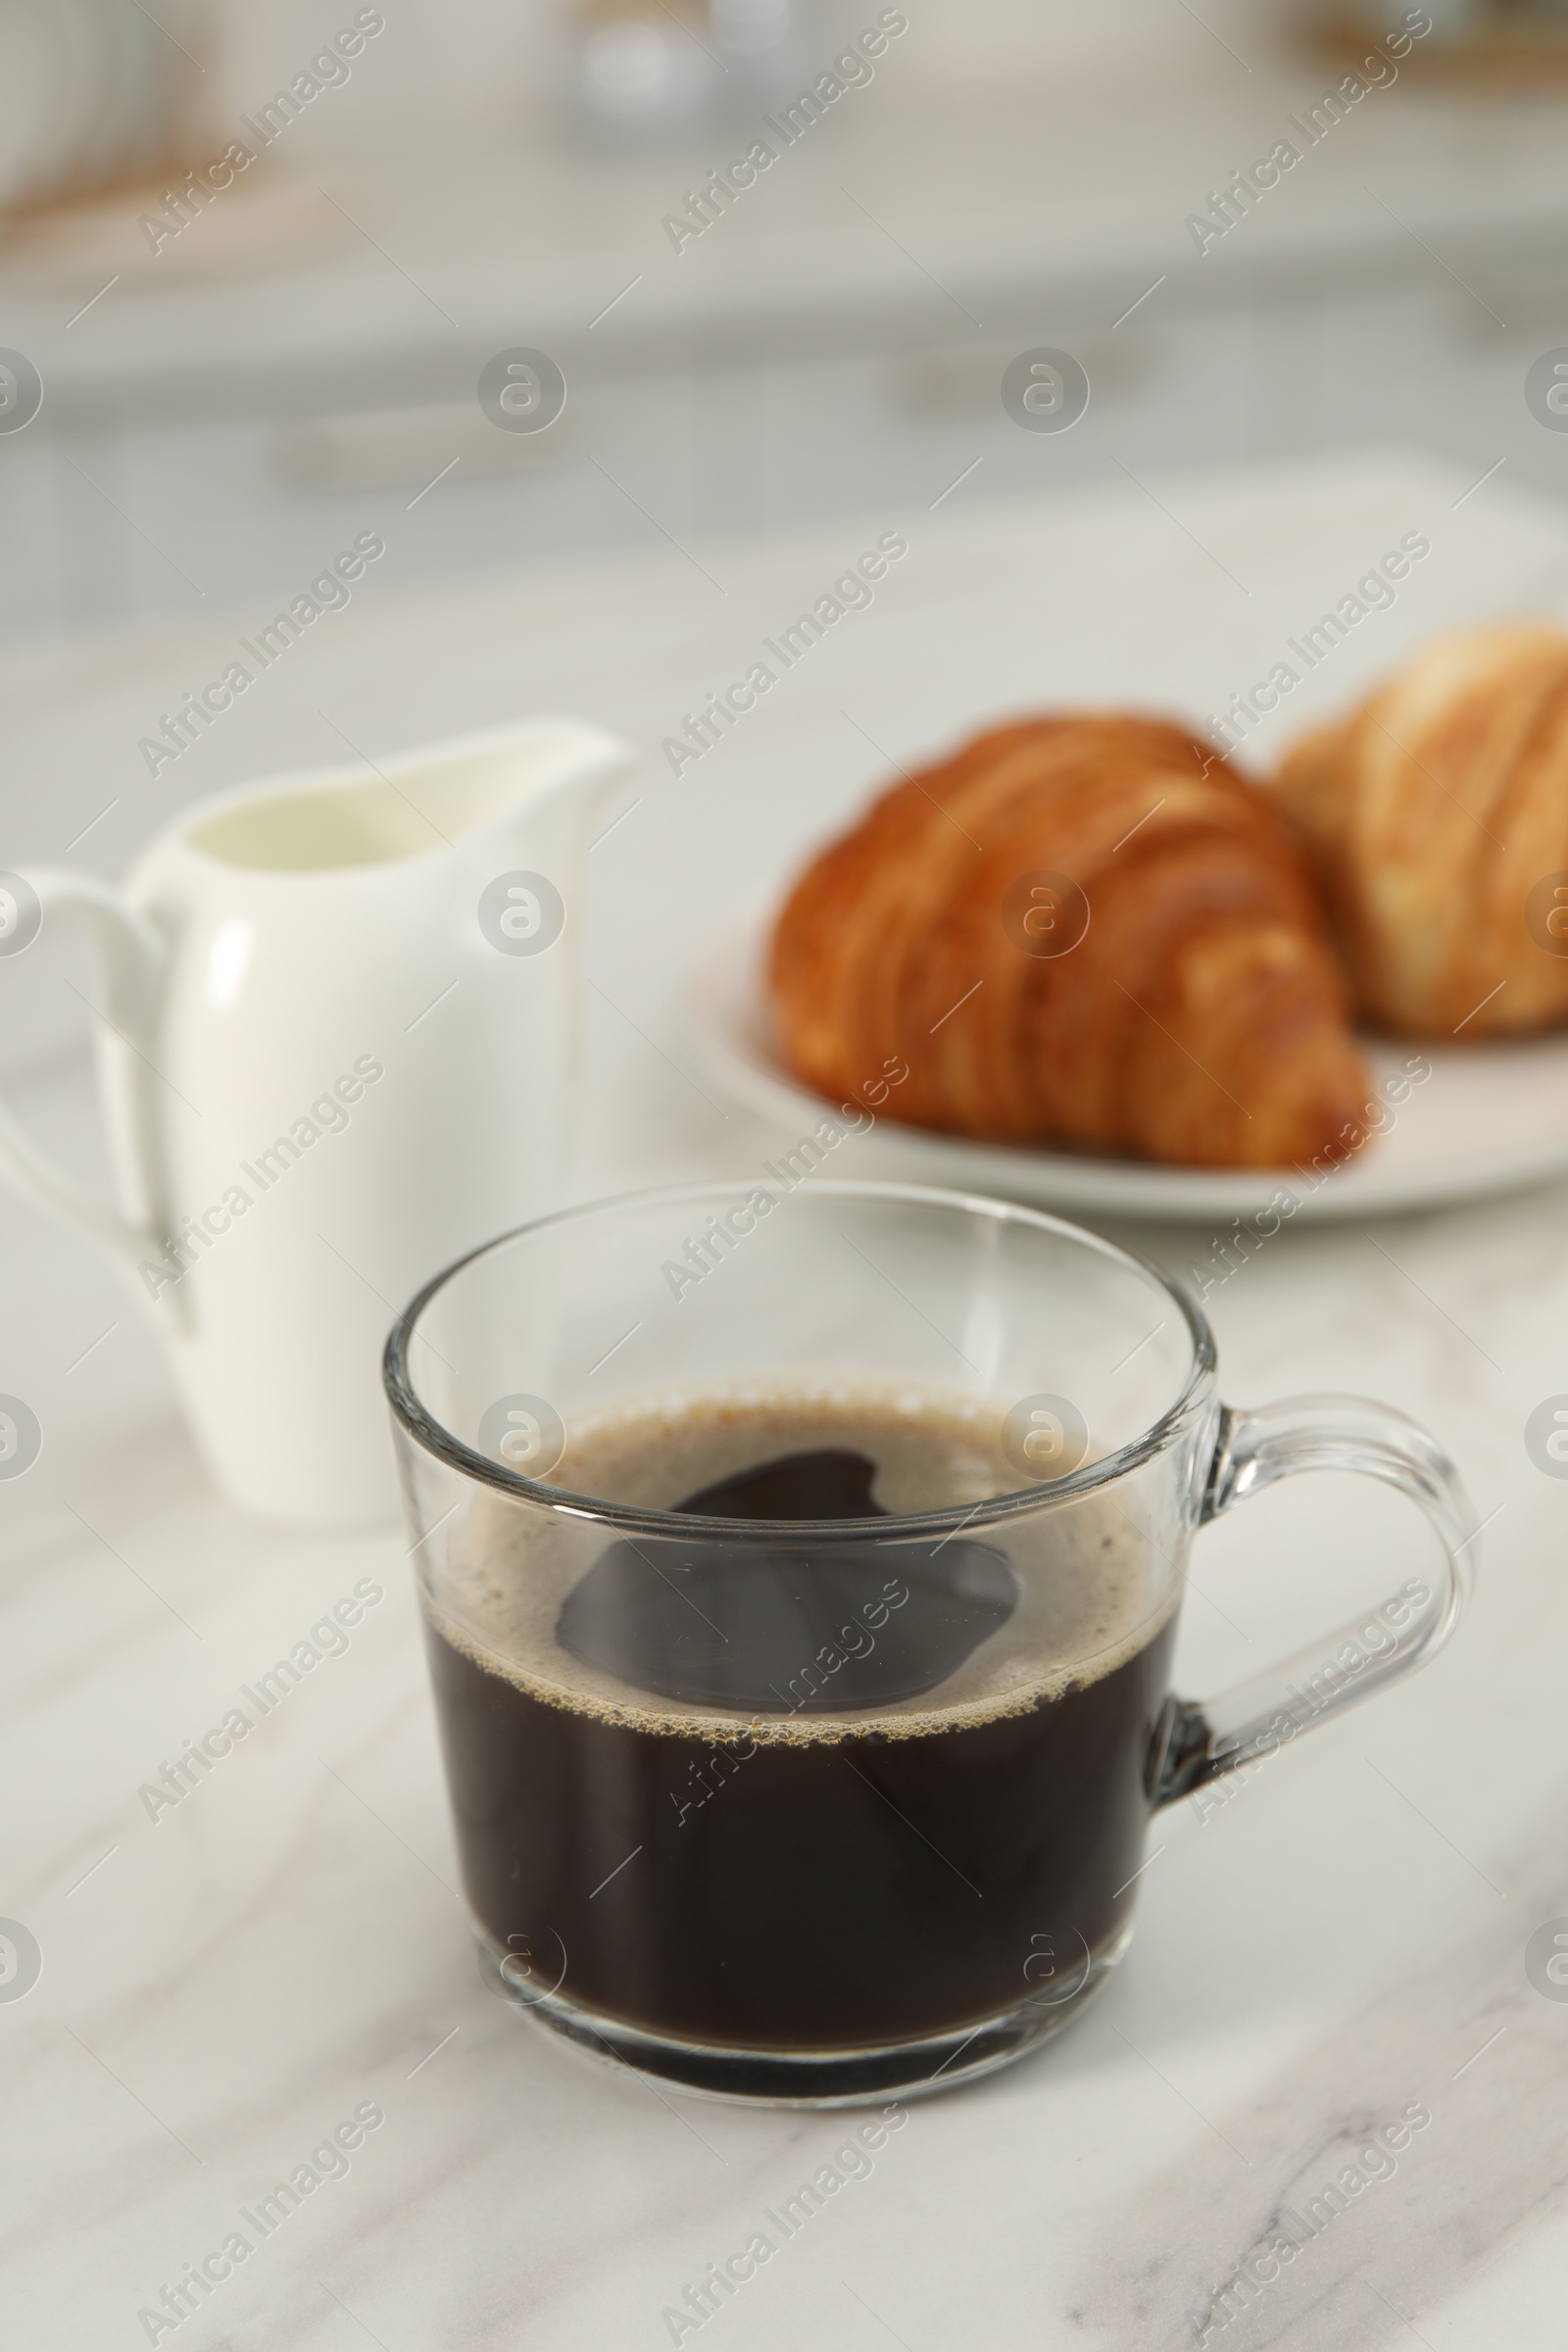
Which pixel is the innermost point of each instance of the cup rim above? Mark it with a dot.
(434, 1438)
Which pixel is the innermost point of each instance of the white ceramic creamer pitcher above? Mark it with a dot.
(336, 1031)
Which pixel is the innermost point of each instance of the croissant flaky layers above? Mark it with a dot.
(1437, 816)
(1080, 930)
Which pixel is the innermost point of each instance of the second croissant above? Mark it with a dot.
(1437, 816)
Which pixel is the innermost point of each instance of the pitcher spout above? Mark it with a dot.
(508, 781)
(508, 784)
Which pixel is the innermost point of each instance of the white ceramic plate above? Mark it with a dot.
(1486, 1119)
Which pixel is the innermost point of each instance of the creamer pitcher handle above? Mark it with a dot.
(132, 962)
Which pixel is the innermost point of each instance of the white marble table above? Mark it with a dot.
(1340, 1940)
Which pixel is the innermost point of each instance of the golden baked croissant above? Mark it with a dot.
(1201, 1016)
(1437, 816)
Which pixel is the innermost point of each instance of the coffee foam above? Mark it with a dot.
(1093, 1589)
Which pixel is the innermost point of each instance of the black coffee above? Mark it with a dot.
(786, 1795)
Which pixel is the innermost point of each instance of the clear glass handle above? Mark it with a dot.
(1197, 1742)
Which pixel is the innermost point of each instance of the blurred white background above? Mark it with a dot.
(300, 360)
(478, 69)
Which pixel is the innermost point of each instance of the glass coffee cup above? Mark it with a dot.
(801, 1567)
